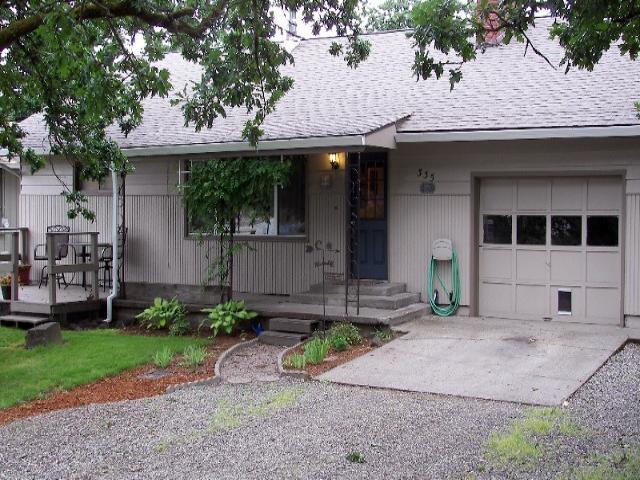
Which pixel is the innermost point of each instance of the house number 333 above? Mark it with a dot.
(423, 173)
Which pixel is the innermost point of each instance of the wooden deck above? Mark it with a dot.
(34, 307)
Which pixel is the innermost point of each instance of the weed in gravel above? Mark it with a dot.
(518, 444)
(316, 350)
(193, 356)
(540, 421)
(513, 447)
(282, 399)
(355, 457)
(226, 417)
(162, 447)
(570, 429)
(162, 358)
(296, 361)
(624, 465)
(229, 416)
(285, 398)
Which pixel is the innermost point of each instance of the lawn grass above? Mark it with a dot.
(85, 357)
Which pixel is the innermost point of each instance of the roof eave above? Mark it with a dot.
(519, 134)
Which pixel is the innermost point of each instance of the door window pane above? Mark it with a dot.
(372, 190)
(496, 229)
(602, 231)
(566, 230)
(532, 230)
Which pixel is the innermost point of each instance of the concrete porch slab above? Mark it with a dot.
(528, 362)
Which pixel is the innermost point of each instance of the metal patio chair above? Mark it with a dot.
(106, 258)
(61, 247)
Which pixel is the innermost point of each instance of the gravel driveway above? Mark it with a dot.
(305, 430)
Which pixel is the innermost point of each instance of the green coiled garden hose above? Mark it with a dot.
(453, 294)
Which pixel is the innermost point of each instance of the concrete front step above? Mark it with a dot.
(23, 321)
(292, 325)
(366, 288)
(385, 302)
(367, 316)
(282, 339)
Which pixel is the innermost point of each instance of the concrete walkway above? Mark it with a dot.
(530, 362)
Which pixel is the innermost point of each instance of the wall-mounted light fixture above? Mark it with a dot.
(334, 161)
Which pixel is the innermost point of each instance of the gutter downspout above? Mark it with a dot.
(114, 248)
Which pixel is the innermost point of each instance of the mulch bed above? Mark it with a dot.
(125, 386)
(336, 358)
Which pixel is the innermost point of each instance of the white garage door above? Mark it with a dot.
(549, 248)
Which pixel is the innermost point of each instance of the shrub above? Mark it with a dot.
(162, 358)
(165, 314)
(193, 356)
(226, 316)
(346, 330)
(383, 334)
(316, 350)
(179, 326)
(339, 343)
(296, 361)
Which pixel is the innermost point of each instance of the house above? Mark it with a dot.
(533, 174)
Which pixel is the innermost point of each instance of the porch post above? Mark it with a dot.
(51, 263)
(15, 245)
(95, 262)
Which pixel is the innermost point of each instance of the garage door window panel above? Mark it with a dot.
(532, 230)
(566, 230)
(602, 231)
(497, 229)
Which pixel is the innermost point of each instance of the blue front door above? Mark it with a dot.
(372, 211)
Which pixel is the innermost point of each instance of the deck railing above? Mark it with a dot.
(24, 242)
(11, 266)
(54, 269)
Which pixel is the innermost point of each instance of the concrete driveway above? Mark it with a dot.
(530, 362)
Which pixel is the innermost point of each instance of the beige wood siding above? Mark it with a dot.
(632, 255)
(159, 251)
(417, 219)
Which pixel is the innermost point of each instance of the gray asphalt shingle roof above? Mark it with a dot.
(501, 90)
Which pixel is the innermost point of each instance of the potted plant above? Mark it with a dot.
(5, 285)
(24, 272)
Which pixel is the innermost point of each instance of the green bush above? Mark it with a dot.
(227, 316)
(296, 361)
(316, 350)
(348, 331)
(162, 314)
(385, 335)
(162, 358)
(339, 343)
(193, 356)
(180, 325)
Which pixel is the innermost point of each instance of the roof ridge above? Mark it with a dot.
(363, 34)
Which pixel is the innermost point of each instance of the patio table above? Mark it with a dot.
(84, 254)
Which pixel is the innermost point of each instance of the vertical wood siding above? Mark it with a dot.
(415, 222)
(632, 256)
(158, 251)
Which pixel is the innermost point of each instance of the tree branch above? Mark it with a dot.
(174, 22)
